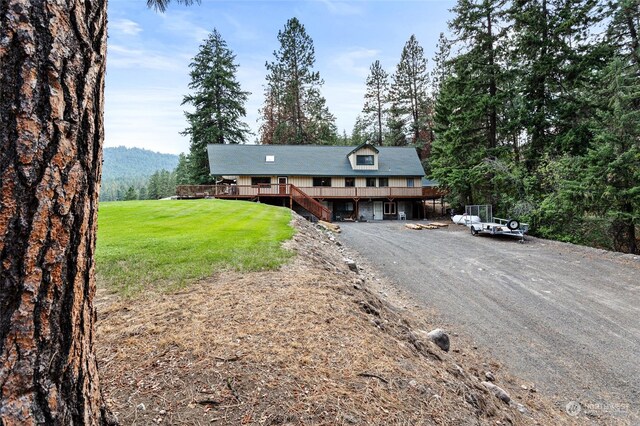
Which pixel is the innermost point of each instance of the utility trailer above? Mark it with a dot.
(480, 220)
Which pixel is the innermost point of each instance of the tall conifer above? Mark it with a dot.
(218, 102)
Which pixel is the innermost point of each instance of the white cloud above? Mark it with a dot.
(355, 62)
(183, 26)
(241, 31)
(125, 57)
(125, 27)
(341, 8)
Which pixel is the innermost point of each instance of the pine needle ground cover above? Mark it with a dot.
(167, 244)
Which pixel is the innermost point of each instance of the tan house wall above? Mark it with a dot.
(336, 182)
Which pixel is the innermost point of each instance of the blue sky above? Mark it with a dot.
(149, 54)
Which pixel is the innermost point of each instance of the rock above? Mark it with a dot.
(351, 264)
(141, 407)
(497, 391)
(458, 371)
(349, 419)
(440, 338)
(489, 375)
(521, 408)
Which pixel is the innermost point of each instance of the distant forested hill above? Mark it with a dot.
(127, 172)
(122, 162)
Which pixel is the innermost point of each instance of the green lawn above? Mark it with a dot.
(168, 244)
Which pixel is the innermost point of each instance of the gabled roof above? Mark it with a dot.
(307, 160)
(362, 145)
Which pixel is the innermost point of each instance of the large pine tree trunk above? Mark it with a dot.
(52, 65)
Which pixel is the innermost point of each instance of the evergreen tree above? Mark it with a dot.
(554, 60)
(360, 134)
(612, 171)
(142, 194)
(218, 101)
(130, 194)
(154, 186)
(475, 27)
(294, 111)
(613, 165)
(623, 32)
(460, 146)
(441, 66)
(375, 99)
(396, 125)
(409, 89)
(183, 175)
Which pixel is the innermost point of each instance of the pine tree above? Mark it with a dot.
(613, 165)
(130, 194)
(360, 134)
(555, 58)
(612, 172)
(183, 175)
(470, 104)
(142, 194)
(153, 186)
(409, 89)
(218, 101)
(475, 26)
(441, 66)
(294, 111)
(396, 125)
(375, 100)
(460, 146)
(623, 32)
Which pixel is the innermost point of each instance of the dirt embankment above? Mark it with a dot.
(309, 344)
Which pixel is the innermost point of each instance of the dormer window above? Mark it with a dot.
(365, 160)
(270, 158)
(364, 157)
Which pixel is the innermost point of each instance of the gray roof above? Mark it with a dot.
(307, 160)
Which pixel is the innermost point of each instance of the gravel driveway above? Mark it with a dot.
(567, 318)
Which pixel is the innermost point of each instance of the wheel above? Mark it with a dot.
(513, 224)
(474, 231)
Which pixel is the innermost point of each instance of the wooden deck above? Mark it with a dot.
(308, 197)
(317, 192)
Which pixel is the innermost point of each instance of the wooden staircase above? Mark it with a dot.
(309, 204)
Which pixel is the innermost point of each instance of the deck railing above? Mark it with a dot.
(274, 190)
(312, 206)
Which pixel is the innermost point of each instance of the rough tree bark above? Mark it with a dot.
(52, 65)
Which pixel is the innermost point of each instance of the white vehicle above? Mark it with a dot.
(480, 220)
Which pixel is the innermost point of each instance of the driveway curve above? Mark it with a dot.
(565, 317)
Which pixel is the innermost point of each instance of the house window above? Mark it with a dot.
(260, 180)
(321, 181)
(389, 208)
(383, 182)
(371, 181)
(409, 182)
(365, 160)
(348, 207)
(349, 181)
